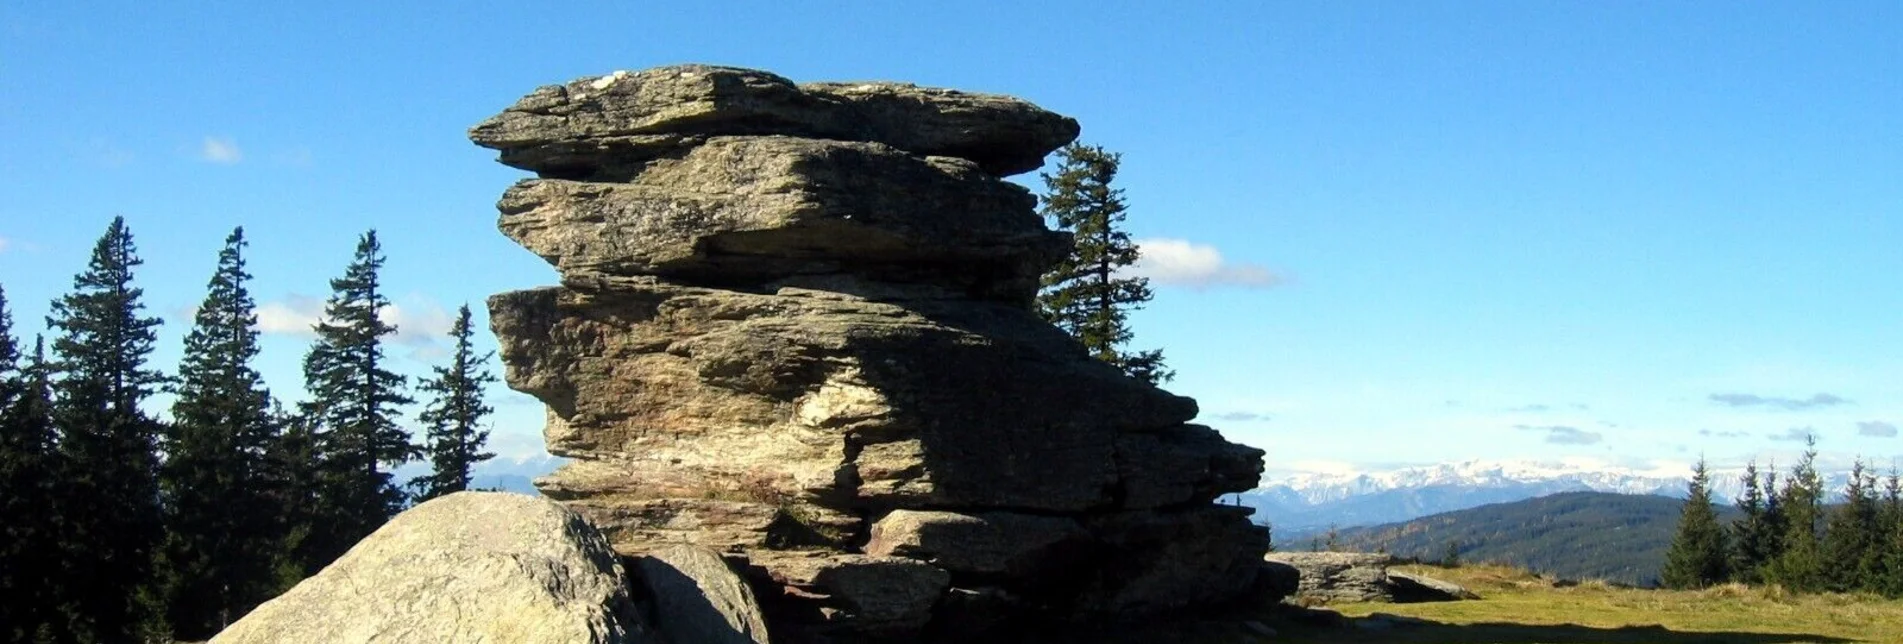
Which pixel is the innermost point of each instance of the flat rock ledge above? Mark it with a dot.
(1350, 577)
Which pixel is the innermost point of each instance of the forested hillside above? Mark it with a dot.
(1575, 535)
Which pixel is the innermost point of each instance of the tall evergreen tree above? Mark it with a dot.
(293, 480)
(1752, 535)
(1087, 294)
(1698, 555)
(455, 413)
(353, 407)
(109, 493)
(1852, 543)
(220, 542)
(30, 577)
(1775, 523)
(1890, 526)
(1800, 565)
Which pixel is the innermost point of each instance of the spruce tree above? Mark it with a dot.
(109, 496)
(220, 542)
(454, 415)
(30, 577)
(1752, 535)
(1890, 527)
(1697, 557)
(293, 480)
(1852, 543)
(1775, 523)
(1087, 295)
(353, 408)
(1800, 565)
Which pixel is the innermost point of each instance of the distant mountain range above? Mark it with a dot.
(1304, 503)
(505, 473)
(1572, 535)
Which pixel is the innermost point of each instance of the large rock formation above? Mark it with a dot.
(1334, 577)
(794, 326)
(468, 567)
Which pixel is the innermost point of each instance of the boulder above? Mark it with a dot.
(1356, 577)
(1338, 576)
(697, 599)
(1411, 588)
(607, 126)
(467, 567)
(878, 596)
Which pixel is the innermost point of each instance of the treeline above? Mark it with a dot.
(1788, 536)
(119, 526)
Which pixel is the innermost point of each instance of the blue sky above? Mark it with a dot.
(1381, 232)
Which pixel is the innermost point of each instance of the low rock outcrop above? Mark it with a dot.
(468, 567)
(1345, 577)
(795, 327)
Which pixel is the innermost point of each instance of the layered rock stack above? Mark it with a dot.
(795, 326)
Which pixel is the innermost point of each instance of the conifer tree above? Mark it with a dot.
(353, 408)
(220, 542)
(109, 495)
(1800, 564)
(293, 480)
(29, 541)
(1752, 535)
(1852, 544)
(1087, 295)
(1775, 523)
(1697, 557)
(454, 415)
(1890, 527)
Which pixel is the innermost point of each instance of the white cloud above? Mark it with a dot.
(5, 244)
(421, 324)
(294, 315)
(1183, 263)
(218, 149)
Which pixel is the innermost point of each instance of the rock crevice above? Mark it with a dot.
(795, 326)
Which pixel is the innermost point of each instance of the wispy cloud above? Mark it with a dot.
(1723, 434)
(5, 244)
(1531, 408)
(1794, 434)
(221, 150)
(1180, 262)
(1240, 417)
(1816, 401)
(1876, 428)
(1564, 434)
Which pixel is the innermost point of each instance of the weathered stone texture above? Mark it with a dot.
(468, 567)
(794, 326)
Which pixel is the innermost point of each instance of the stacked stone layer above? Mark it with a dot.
(794, 326)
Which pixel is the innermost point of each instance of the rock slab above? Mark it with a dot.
(1348, 577)
(467, 567)
(697, 599)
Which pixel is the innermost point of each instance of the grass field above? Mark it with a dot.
(1520, 608)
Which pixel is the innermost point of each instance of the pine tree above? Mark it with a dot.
(1851, 539)
(454, 416)
(109, 493)
(29, 577)
(220, 544)
(1800, 565)
(1775, 523)
(1890, 529)
(1086, 294)
(1752, 535)
(1698, 554)
(353, 408)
